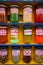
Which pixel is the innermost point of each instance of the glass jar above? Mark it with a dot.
(16, 54)
(27, 34)
(3, 54)
(3, 35)
(27, 13)
(14, 13)
(14, 33)
(3, 15)
(38, 54)
(27, 54)
(39, 35)
(39, 14)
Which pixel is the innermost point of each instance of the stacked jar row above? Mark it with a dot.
(27, 13)
(28, 53)
(11, 35)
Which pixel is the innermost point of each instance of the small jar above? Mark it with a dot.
(14, 39)
(39, 35)
(16, 54)
(38, 54)
(3, 54)
(14, 13)
(27, 34)
(3, 14)
(27, 13)
(3, 35)
(39, 14)
(27, 54)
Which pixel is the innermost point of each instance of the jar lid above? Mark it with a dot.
(3, 47)
(14, 6)
(27, 47)
(16, 47)
(25, 6)
(39, 47)
(3, 6)
(27, 27)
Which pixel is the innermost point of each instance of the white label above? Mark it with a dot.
(14, 32)
(15, 52)
(27, 32)
(39, 32)
(3, 32)
(39, 11)
(14, 10)
(27, 52)
(27, 10)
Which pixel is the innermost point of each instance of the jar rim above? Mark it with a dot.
(3, 6)
(16, 6)
(27, 6)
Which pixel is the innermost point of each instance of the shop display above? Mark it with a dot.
(27, 34)
(27, 54)
(14, 13)
(38, 54)
(38, 35)
(3, 15)
(3, 35)
(39, 14)
(27, 13)
(3, 54)
(16, 54)
(14, 35)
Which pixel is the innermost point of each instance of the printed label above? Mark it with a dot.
(3, 32)
(27, 52)
(39, 52)
(27, 10)
(14, 10)
(15, 52)
(14, 32)
(2, 10)
(3, 53)
(39, 32)
(27, 32)
(39, 11)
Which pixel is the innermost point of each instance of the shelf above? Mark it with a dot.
(21, 44)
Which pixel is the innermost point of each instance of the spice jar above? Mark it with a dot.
(39, 13)
(3, 54)
(3, 14)
(14, 13)
(16, 54)
(27, 34)
(27, 13)
(27, 54)
(38, 35)
(14, 35)
(38, 54)
(3, 35)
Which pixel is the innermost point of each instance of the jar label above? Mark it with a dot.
(27, 32)
(39, 32)
(27, 10)
(14, 32)
(39, 11)
(2, 10)
(27, 52)
(39, 52)
(15, 52)
(3, 53)
(3, 32)
(14, 10)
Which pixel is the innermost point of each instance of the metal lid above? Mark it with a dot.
(14, 6)
(39, 47)
(16, 47)
(27, 6)
(3, 6)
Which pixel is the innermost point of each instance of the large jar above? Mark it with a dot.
(38, 54)
(27, 34)
(3, 15)
(27, 13)
(38, 35)
(3, 35)
(14, 13)
(39, 14)
(16, 54)
(3, 54)
(14, 39)
(27, 54)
